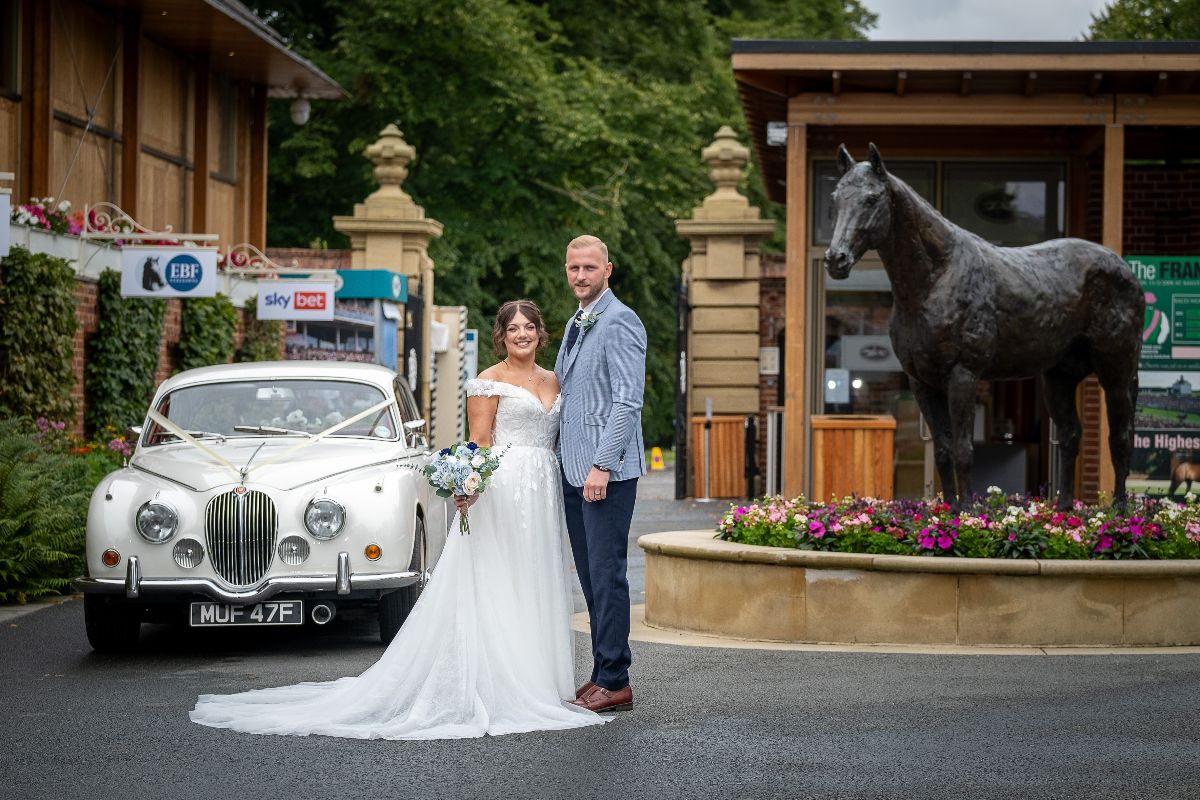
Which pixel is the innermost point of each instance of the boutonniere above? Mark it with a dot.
(585, 321)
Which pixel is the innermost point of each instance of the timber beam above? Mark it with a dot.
(879, 108)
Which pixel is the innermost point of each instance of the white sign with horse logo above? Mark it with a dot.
(169, 272)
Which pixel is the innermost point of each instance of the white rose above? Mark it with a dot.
(477, 462)
(472, 482)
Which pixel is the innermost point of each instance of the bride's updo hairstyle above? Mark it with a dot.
(527, 309)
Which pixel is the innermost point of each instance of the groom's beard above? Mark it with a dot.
(584, 302)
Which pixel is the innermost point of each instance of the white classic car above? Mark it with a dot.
(265, 494)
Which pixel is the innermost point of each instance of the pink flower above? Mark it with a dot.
(1012, 537)
(945, 542)
(42, 424)
(816, 529)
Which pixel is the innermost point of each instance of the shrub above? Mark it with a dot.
(998, 526)
(123, 356)
(37, 335)
(261, 339)
(44, 493)
(206, 331)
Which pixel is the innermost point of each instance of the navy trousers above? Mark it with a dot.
(599, 535)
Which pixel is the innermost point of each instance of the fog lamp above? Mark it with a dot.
(293, 550)
(373, 552)
(188, 553)
(110, 558)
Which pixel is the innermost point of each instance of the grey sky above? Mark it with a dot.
(983, 19)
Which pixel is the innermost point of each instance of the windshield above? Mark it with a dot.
(273, 408)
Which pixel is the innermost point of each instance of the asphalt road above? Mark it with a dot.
(708, 722)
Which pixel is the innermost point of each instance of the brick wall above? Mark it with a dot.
(305, 258)
(85, 313)
(1161, 217)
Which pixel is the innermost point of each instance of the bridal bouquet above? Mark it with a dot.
(462, 469)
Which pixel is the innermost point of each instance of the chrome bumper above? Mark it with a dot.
(134, 586)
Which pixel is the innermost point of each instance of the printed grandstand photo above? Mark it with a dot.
(1166, 440)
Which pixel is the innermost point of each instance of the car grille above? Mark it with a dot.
(241, 530)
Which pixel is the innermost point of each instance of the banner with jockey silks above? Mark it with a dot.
(1166, 440)
(169, 271)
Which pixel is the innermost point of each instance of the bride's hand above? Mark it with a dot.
(463, 502)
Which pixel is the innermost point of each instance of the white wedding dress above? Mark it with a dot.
(488, 647)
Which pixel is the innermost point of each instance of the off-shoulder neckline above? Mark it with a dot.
(529, 392)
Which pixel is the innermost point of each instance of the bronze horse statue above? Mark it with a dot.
(964, 309)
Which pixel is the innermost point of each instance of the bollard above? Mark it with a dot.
(707, 452)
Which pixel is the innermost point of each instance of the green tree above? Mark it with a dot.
(1147, 19)
(533, 122)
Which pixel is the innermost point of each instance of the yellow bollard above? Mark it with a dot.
(656, 458)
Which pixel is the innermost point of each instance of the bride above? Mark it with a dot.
(487, 649)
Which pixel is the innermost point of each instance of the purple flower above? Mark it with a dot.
(1105, 543)
(816, 529)
(42, 424)
(945, 542)
(58, 426)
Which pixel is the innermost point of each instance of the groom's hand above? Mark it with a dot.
(595, 488)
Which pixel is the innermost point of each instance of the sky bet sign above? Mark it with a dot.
(297, 300)
(168, 272)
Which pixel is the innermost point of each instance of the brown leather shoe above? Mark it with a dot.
(600, 699)
(582, 690)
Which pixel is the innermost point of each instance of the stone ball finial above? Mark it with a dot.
(391, 156)
(726, 158)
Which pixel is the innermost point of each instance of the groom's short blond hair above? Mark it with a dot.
(587, 240)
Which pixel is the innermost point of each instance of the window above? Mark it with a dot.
(918, 175)
(1007, 204)
(10, 48)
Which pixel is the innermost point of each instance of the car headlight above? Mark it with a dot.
(324, 518)
(156, 522)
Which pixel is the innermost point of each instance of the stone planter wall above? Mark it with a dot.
(698, 584)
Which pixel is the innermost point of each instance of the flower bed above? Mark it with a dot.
(996, 526)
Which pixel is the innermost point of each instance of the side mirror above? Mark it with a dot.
(415, 433)
(133, 434)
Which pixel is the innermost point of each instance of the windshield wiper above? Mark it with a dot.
(270, 431)
(198, 435)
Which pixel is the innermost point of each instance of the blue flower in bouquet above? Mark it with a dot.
(463, 469)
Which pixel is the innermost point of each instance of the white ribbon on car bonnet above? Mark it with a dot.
(192, 440)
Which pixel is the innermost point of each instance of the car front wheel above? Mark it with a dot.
(111, 627)
(395, 607)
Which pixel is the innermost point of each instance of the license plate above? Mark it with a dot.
(276, 612)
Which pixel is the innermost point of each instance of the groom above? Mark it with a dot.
(601, 369)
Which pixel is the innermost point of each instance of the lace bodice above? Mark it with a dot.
(521, 419)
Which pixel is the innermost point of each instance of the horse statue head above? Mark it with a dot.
(864, 211)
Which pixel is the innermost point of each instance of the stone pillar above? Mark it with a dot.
(390, 231)
(721, 275)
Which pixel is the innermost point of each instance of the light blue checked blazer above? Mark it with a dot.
(602, 382)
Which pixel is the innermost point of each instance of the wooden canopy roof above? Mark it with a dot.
(236, 42)
(864, 83)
